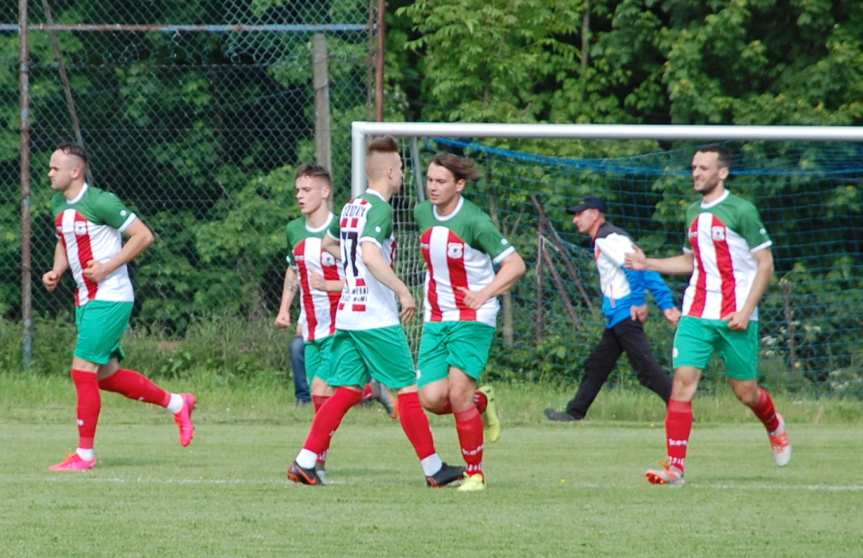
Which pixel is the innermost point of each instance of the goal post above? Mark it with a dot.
(806, 181)
(360, 131)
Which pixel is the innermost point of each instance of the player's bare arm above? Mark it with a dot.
(764, 260)
(511, 269)
(374, 260)
(318, 282)
(61, 263)
(289, 289)
(675, 265)
(139, 238)
(331, 245)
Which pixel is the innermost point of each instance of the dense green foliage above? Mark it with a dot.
(200, 133)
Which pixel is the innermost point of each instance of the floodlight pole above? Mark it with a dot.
(360, 130)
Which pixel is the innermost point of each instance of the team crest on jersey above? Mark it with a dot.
(717, 233)
(80, 228)
(455, 250)
(327, 259)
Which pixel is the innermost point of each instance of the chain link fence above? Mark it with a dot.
(197, 123)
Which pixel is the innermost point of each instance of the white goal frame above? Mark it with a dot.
(360, 131)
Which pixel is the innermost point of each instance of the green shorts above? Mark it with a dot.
(319, 362)
(696, 340)
(381, 353)
(464, 345)
(101, 325)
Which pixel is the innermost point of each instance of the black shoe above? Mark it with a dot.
(445, 475)
(552, 414)
(304, 476)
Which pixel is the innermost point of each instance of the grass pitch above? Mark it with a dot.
(554, 489)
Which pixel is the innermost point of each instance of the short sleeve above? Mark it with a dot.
(615, 247)
(379, 223)
(111, 211)
(489, 239)
(289, 255)
(752, 229)
(334, 228)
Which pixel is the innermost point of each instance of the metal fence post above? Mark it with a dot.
(321, 83)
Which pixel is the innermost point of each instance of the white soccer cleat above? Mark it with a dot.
(781, 446)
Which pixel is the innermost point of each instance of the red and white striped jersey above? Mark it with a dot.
(722, 236)
(460, 251)
(306, 256)
(90, 227)
(366, 303)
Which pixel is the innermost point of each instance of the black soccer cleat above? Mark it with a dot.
(563, 416)
(304, 476)
(445, 475)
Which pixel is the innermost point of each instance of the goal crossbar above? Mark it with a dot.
(362, 130)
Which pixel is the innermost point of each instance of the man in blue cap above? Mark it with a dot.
(624, 306)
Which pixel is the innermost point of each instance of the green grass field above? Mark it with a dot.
(554, 490)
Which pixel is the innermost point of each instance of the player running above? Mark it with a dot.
(307, 258)
(460, 246)
(90, 224)
(369, 341)
(731, 263)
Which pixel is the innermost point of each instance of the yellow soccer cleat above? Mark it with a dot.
(490, 417)
(472, 483)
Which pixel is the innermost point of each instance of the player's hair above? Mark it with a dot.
(314, 171)
(723, 154)
(383, 144)
(74, 149)
(461, 168)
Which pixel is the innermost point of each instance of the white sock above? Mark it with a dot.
(431, 464)
(86, 454)
(176, 403)
(306, 458)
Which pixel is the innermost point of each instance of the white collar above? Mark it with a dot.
(716, 202)
(80, 195)
(451, 215)
(322, 227)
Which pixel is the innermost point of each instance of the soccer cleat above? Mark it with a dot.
(472, 483)
(672, 476)
(321, 471)
(781, 446)
(562, 416)
(73, 462)
(380, 394)
(446, 474)
(304, 476)
(183, 418)
(490, 416)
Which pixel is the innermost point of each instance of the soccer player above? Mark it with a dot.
(369, 340)
(306, 257)
(625, 310)
(460, 246)
(729, 256)
(90, 224)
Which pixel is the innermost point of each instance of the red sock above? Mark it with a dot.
(415, 423)
(480, 401)
(135, 385)
(367, 392)
(678, 426)
(765, 411)
(318, 401)
(89, 405)
(329, 417)
(469, 426)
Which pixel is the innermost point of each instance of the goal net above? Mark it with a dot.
(806, 188)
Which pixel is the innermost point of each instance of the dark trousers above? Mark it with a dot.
(298, 370)
(627, 336)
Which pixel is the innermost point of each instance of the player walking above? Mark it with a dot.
(460, 246)
(89, 224)
(731, 263)
(369, 341)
